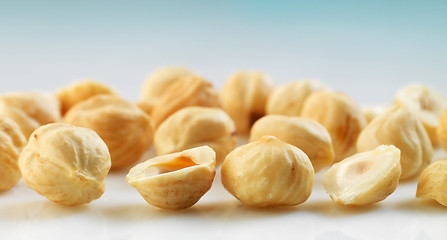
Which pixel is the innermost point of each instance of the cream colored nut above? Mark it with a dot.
(30, 110)
(80, 91)
(177, 180)
(365, 177)
(428, 103)
(433, 181)
(196, 126)
(11, 143)
(306, 134)
(185, 92)
(125, 129)
(400, 127)
(289, 98)
(442, 130)
(268, 173)
(371, 112)
(65, 164)
(244, 98)
(340, 115)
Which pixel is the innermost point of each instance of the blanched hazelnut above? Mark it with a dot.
(442, 130)
(65, 164)
(268, 173)
(177, 180)
(306, 134)
(244, 98)
(196, 126)
(399, 126)
(125, 129)
(433, 181)
(371, 112)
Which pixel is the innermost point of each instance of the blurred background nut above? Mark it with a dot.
(125, 128)
(442, 130)
(268, 173)
(80, 91)
(370, 112)
(306, 134)
(196, 126)
(288, 99)
(177, 180)
(399, 126)
(340, 115)
(11, 143)
(433, 181)
(30, 110)
(65, 164)
(185, 92)
(428, 104)
(244, 98)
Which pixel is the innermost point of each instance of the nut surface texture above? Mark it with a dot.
(442, 130)
(268, 173)
(433, 181)
(177, 180)
(65, 164)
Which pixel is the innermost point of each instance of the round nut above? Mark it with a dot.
(306, 134)
(400, 127)
(11, 143)
(442, 130)
(268, 173)
(340, 115)
(177, 180)
(125, 129)
(65, 164)
(244, 98)
(196, 126)
(432, 182)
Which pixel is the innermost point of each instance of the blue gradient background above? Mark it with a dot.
(367, 49)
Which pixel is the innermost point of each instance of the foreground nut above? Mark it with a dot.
(177, 180)
(80, 91)
(196, 126)
(433, 181)
(306, 134)
(11, 143)
(65, 164)
(244, 97)
(442, 130)
(268, 173)
(400, 127)
(125, 129)
(428, 104)
(340, 115)
(364, 178)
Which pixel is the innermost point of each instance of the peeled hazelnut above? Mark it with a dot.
(177, 180)
(442, 130)
(365, 177)
(289, 98)
(399, 126)
(432, 182)
(185, 92)
(372, 111)
(125, 129)
(306, 134)
(427, 103)
(196, 126)
(268, 173)
(244, 98)
(340, 115)
(80, 91)
(65, 164)
(11, 143)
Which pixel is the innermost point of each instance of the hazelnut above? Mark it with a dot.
(432, 182)
(442, 130)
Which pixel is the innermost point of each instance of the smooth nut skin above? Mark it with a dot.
(433, 181)
(125, 128)
(306, 134)
(30, 110)
(11, 143)
(268, 173)
(442, 130)
(196, 126)
(364, 178)
(175, 181)
(185, 92)
(399, 126)
(340, 115)
(81, 91)
(244, 98)
(289, 98)
(65, 164)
